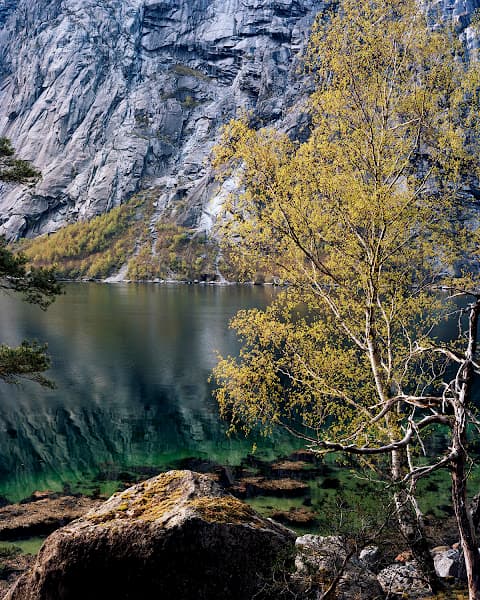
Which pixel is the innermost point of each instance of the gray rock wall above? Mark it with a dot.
(108, 98)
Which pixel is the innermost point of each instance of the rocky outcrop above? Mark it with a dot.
(109, 98)
(324, 563)
(174, 536)
(12, 565)
(404, 578)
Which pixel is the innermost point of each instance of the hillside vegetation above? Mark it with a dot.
(98, 248)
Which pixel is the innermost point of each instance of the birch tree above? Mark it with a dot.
(364, 220)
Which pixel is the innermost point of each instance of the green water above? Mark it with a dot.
(131, 364)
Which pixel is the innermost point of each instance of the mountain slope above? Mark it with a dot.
(117, 99)
(110, 98)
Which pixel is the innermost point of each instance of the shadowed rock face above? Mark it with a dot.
(174, 536)
(110, 97)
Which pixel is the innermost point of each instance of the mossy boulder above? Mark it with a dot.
(176, 536)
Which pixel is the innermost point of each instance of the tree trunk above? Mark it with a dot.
(465, 526)
(410, 526)
(466, 529)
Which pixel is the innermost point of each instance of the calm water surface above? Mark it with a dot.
(131, 364)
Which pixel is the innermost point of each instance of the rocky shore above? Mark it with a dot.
(181, 535)
(42, 514)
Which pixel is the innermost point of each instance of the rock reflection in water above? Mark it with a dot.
(131, 364)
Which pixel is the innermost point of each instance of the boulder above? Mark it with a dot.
(320, 560)
(319, 554)
(175, 536)
(447, 563)
(404, 579)
(12, 565)
(370, 555)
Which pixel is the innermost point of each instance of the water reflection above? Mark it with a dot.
(131, 363)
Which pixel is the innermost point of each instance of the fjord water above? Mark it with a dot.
(131, 364)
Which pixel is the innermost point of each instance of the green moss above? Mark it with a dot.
(190, 103)
(452, 594)
(226, 509)
(157, 498)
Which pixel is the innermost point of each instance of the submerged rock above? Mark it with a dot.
(296, 516)
(175, 536)
(248, 487)
(42, 516)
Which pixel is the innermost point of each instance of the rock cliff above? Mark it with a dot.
(111, 98)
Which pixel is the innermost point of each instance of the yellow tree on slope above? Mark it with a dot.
(362, 220)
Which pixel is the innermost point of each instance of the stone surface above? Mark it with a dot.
(248, 487)
(12, 566)
(403, 579)
(447, 563)
(370, 556)
(174, 536)
(42, 516)
(108, 98)
(320, 559)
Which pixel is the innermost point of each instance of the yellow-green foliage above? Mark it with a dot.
(347, 217)
(179, 253)
(98, 247)
(93, 248)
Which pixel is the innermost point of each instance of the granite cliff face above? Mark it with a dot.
(111, 98)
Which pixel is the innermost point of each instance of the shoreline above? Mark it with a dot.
(176, 282)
